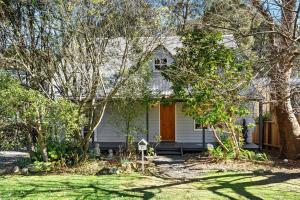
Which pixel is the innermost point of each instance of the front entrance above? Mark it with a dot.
(167, 122)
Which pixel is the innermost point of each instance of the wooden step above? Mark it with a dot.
(168, 152)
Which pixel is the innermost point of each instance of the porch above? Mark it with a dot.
(163, 148)
(170, 148)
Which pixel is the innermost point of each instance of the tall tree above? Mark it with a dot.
(82, 50)
(275, 25)
(209, 78)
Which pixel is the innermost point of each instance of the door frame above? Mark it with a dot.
(175, 140)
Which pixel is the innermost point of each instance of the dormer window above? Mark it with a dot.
(160, 63)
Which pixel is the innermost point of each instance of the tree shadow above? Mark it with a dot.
(237, 187)
(73, 188)
(217, 184)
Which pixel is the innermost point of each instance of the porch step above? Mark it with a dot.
(170, 152)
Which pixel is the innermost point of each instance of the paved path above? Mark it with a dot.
(7, 158)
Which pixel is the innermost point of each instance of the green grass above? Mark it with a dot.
(135, 186)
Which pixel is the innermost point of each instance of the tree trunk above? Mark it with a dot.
(43, 149)
(85, 148)
(289, 140)
(97, 115)
(289, 128)
(30, 146)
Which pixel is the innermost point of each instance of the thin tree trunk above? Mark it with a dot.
(43, 149)
(218, 139)
(97, 118)
(30, 146)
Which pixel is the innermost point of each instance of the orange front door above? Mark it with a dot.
(167, 122)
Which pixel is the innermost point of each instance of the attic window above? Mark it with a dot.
(160, 63)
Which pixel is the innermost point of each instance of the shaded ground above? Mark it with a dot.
(196, 165)
(134, 186)
(9, 158)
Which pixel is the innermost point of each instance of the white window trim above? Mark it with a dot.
(160, 58)
(196, 129)
(199, 129)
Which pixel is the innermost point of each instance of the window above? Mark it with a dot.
(160, 63)
(199, 126)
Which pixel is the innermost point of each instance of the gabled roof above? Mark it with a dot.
(173, 42)
(158, 85)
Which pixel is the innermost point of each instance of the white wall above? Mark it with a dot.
(111, 128)
(185, 129)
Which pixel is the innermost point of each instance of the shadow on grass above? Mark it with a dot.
(237, 187)
(75, 188)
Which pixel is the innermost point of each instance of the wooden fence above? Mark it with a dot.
(270, 133)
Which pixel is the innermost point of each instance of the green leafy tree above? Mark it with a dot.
(209, 77)
(84, 51)
(41, 116)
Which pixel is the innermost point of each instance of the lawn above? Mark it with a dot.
(135, 186)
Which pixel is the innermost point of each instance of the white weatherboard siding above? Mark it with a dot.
(111, 128)
(106, 132)
(185, 129)
(153, 122)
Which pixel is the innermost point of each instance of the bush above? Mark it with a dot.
(63, 152)
(150, 151)
(218, 153)
(12, 137)
(41, 166)
(252, 156)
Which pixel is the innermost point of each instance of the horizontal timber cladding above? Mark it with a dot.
(185, 132)
(110, 131)
(153, 122)
(112, 126)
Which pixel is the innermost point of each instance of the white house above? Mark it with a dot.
(168, 122)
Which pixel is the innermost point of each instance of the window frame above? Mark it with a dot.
(199, 129)
(160, 58)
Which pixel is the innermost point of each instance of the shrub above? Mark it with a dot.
(218, 154)
(42, 166)
(12, 137)
(63, 152)
(150, 151)
(253, 156)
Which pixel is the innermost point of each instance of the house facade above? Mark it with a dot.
(166, 123)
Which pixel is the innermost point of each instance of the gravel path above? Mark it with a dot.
(177, 167)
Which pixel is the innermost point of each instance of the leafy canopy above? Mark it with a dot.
(209, 77)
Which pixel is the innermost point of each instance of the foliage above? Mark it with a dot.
(63, 153)
(252, 156)
(150, 151)
(42, 166)
(12, 137)
(218, 153)
(44, 118)
(210, 77)
(267, 116)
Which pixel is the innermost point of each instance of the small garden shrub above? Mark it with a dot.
(12, 137)
(150, 151)
(63, 152)
(252, 156)
(42, 166)
(218, 153)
